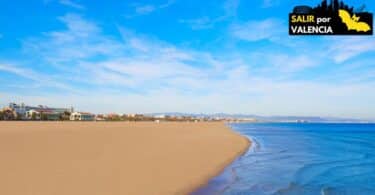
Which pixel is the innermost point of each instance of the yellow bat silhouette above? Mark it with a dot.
(352, 22)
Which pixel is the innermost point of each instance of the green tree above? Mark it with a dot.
(1, 115)
(65, 116)
(33, 116)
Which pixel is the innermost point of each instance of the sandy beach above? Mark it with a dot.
(96, 158)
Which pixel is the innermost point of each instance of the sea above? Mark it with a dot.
(299, 159)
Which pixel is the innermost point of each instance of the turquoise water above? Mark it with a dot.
(320, 159)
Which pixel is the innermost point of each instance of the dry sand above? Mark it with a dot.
(113, 158)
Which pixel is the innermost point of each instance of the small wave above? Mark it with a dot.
(293, 159)
(255, 145)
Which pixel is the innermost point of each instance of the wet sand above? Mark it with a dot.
(113, 158)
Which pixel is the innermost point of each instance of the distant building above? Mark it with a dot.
(42, 114)
(33, 114)
(99, 117)
(112, 116)
(130, 115)
(22, 109)
(161, 116)
(51, 116)
(82, 116)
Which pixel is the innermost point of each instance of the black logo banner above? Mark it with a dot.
(334, 18)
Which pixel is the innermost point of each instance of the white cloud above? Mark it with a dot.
(144, 9)
(286, 63)
(19, 71)
(258, 30)
(82, 39)
(40, 79)
(139, 73)
(344, 49)
(199, 23)
(79, 26)
(135, 61)
(72, 4)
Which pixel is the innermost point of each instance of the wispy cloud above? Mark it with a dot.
(270, 3)
(336, 49)
(344, 49)
(134, 61)
(38, 78)
(268, 29)
(283, 63)
(145, 9)
(29, 74)
(81, 40)
(199, 23)
(72, 4)
(140, 73)
(229, 8)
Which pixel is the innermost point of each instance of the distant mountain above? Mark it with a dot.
(312, 119)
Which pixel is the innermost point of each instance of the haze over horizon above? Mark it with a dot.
(230, 56)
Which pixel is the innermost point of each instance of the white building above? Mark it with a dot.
(161, 116)
(130, 115)
(31, 113)
(82, 116)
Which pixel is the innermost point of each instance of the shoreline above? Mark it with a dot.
(202, 190)
(114, 158)
(228, 163)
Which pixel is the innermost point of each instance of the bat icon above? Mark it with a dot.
(352, 22)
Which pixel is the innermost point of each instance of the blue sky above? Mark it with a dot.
(228, 56)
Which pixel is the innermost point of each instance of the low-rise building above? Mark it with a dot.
(112, 117)
(161, 116)
(82, 116)
(129, 115)
(99, 117)
(42, 114)
(51, 116)
(22, 109)
(33, 114)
